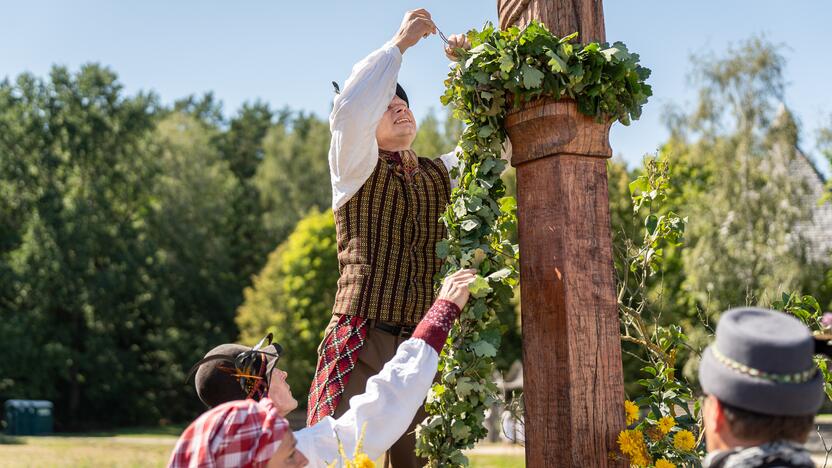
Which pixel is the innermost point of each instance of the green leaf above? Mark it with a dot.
(459, 208)
(484, 349)
(479, 287)
(460, 430)
(651, 223)
(470, 224)
(532, 77)
(442, 248)
(556, 64)
(506, 63)
(508, 204)
(500, 274)
(464, 386)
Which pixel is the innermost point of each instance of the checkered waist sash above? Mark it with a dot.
(339, 354)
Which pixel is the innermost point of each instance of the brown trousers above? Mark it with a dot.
(380, 347)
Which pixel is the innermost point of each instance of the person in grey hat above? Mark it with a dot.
(762, 390)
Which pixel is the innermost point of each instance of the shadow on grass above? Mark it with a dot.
(11, 440)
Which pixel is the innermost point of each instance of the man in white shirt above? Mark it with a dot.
(387, 203)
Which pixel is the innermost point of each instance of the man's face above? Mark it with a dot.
(280, 393)
(287, 455)
(397, 127)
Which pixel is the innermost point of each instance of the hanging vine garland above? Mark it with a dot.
(504, 69)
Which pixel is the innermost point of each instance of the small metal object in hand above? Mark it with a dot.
(441, 36)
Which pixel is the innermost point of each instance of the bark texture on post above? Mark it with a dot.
(573, 379)
(562, 17)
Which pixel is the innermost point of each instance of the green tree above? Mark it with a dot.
(733, 154)
(294, 175)
(191, 227)
(435, 138)
(241, 145)
(83, 318)
(292, 297)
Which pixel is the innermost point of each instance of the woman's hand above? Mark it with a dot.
(455, 287)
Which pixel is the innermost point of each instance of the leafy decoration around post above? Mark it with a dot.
(504, 69)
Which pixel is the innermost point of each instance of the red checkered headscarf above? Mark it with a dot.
(237, 433)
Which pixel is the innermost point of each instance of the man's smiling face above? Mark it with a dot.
(397, 127)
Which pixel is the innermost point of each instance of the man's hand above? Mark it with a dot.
(415, 25)
(455, 287)
(456, 42)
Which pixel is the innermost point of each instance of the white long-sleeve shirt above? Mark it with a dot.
(391, 398)
(386, 407)
(356, 112)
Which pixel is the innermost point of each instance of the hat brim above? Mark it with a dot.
(756, 394)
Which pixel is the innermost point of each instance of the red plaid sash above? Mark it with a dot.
(338, 358)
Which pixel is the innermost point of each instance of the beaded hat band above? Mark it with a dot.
(797, 378)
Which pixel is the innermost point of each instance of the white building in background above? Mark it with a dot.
(818, 232)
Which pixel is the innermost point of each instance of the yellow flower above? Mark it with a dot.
(631, 444)
(628, 441)
(631, 410)
(662, 463)
(666, 424)
(363, 461)
(683, 440)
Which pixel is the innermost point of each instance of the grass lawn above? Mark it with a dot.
(137, 448)
(95, 451)
(497, 461)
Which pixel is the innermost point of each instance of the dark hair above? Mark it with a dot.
(750, 425)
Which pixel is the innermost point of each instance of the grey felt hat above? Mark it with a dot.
(761, 361)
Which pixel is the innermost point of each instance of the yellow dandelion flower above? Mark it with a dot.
(662, 463)
(666, 423)
(684, 440)
(631, 410)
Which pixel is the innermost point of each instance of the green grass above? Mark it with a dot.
(95, 451)
(137, 448)
(497, 461)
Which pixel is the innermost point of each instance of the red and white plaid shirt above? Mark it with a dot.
(237, 433)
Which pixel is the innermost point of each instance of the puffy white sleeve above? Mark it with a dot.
(450, 160)
(386, 407)
(353, 150)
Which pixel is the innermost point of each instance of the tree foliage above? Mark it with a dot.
(84, 320)
(292, 297)
(294, 175)
(735, 155)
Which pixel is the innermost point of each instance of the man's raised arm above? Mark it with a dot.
(357, 109)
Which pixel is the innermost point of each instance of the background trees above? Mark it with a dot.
(292, 298)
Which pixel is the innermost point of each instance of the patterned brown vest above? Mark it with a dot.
(387, 234)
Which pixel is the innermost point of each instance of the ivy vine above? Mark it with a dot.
(501, 70)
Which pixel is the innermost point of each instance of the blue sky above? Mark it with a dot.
(286, 53)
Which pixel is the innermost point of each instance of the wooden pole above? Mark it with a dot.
(573, 379)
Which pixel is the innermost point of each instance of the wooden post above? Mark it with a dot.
(573, 379)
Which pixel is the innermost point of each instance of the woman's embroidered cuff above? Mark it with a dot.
(437, 323)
